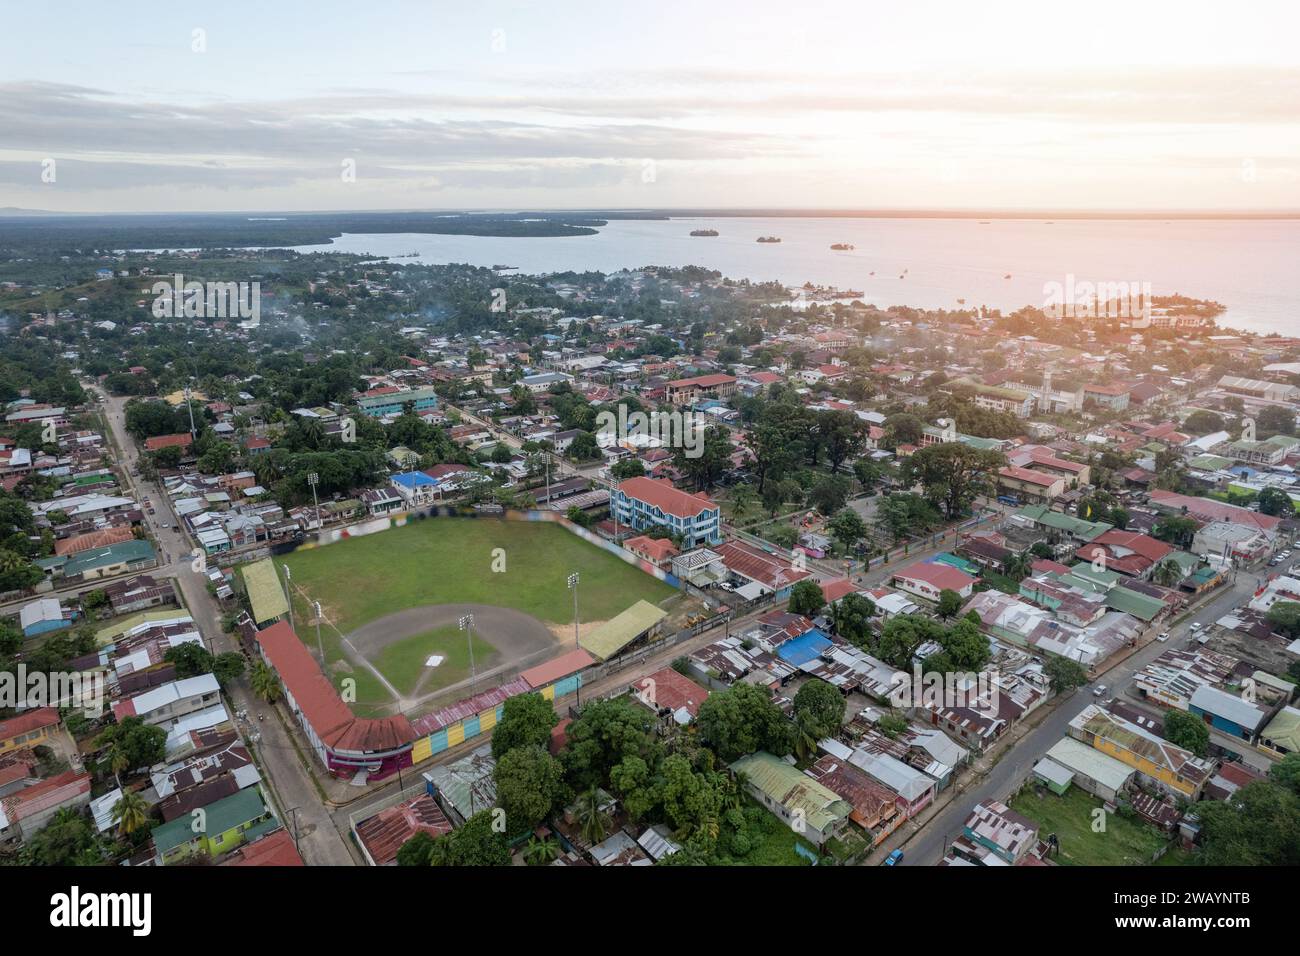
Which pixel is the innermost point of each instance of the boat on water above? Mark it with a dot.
(961, 301)
(842, 246)
(1007, 276)
(768, 239)
(704, 232)
(504, 268)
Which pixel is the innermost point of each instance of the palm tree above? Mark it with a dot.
(736, 795)
(1017, 566)
(118, 761)
(805, 741)
(742, 500)
(264, 682)
(541, 851)
(131, 812)
(592, 819)
(1168, 573)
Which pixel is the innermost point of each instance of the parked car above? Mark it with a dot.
(1099, 690)
(1164, 636)
(1195, 625)
(894, 858)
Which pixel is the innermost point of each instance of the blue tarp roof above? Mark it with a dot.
(413, 479)
(806, 647)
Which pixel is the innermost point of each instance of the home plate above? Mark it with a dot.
(434, 660)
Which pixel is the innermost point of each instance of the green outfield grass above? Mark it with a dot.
(449, 561)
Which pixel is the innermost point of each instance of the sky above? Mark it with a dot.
(289, 105)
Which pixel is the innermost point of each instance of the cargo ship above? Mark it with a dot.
(704, 232)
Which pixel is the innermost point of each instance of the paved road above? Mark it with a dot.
(928, 846)
(319, 841)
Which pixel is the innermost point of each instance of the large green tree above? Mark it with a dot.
(952, 474)
(740, 720)
(820, 707)
(530, 783)
(526, 721)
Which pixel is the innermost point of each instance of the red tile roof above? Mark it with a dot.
(667, 689)
(320, 703)
(757, 565)
(557, 668)
(93, 539)
(669, 500)
(277, 849)
(703, 381)
(656, 549)
(832, 591)
(29, 721)
(1029, 476)
(179, 440)
(937, 575)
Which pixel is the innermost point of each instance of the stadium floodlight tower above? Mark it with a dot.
(466, 624)
(313, 479)
(319, 646)
(288, 592)
(573, 586)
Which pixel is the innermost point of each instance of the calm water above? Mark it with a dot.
(1249, 266)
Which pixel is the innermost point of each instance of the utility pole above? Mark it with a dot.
(190, 408)
(294, 823)
(466, 624)
(313, 479)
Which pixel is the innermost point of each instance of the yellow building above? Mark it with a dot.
(1154, 758)
(31, 729)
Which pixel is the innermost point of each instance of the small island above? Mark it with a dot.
(769, 238)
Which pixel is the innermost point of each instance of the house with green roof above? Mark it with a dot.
(806, 806)
(110, 560)
(1084, 575)
(1282, 734)
(1209, 462)
(1068, 526)
(218, 828)
(1141, 606)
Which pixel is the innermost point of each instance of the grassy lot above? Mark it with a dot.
(402, 662)
(449, 561)
(1124, 842)
(767, 841)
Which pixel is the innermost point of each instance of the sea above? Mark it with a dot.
(1250, 266)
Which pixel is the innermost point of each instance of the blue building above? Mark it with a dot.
(43, 616)
(644, 503)
(1228, 713)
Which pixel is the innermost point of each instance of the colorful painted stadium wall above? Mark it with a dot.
(466, 719)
